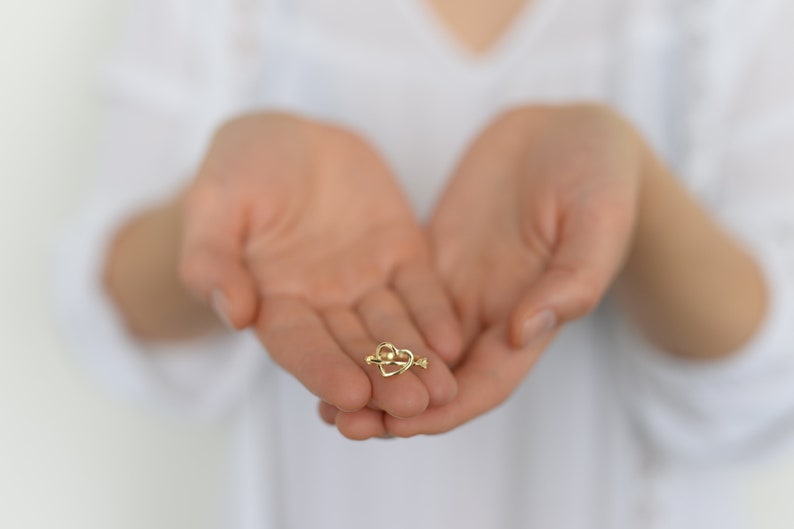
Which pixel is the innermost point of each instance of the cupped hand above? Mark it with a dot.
(532, 229)
(299, 228)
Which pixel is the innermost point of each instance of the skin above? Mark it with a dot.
(476, 24)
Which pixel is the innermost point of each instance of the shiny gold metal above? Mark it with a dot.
(387, 354)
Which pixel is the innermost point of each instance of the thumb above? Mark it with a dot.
(211, 263)
(589, 254)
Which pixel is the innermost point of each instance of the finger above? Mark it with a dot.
(297, 339)
(211, 262)
(590, 252)
(387, 320)
(357, 425)
(489, 374)
(402, 396)
(327, 412)
(430, 308)
(362, 424)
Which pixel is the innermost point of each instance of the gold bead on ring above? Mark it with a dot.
(387, 354)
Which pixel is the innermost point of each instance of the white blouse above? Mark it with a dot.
(606, 432)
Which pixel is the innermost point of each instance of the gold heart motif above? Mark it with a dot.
(394, 357)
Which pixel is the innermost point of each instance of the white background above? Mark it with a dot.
(70, 457)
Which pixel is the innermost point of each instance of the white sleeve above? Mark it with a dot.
(157, 90)
(709, 409)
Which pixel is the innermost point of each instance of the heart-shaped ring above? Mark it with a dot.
(386, 354)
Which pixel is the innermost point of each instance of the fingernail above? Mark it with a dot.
(221, 307)
(537, 326)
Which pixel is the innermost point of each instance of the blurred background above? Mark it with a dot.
(72, 457)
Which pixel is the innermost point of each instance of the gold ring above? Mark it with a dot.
(387, 354)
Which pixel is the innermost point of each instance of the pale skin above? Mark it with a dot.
(284, 229)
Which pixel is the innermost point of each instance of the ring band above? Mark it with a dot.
(386, 354)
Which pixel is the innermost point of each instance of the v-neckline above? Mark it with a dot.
(442, 40)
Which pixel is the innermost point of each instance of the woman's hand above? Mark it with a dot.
(535, 224)
(299, 228)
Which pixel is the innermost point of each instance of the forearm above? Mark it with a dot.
(693, 289)
(140, 275)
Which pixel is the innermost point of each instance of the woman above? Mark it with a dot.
(549, 154)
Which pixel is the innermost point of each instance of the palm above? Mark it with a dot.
(337, 226)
